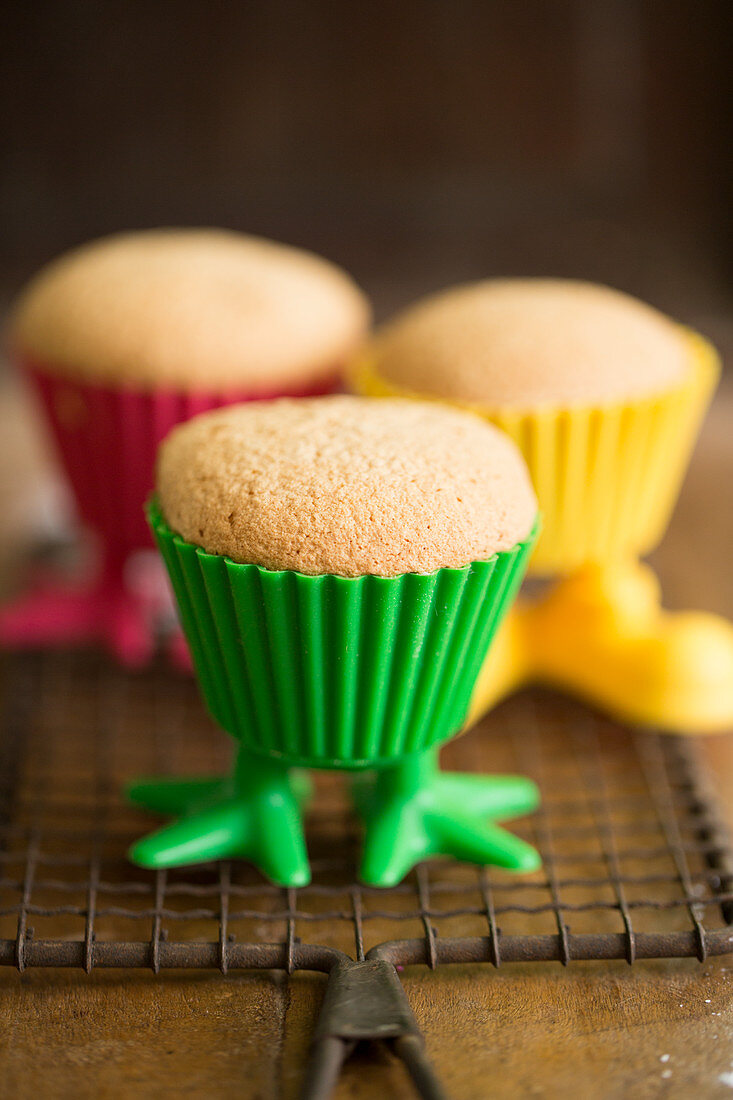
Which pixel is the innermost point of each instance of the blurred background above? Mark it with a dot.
(416, 143)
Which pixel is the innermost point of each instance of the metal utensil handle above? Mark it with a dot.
(366, 1001)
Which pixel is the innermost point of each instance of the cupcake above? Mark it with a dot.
(604, 396)
(127, 336)
(340, 567)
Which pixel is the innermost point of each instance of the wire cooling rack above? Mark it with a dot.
(636, 863)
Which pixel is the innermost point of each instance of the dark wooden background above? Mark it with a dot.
(416, 142)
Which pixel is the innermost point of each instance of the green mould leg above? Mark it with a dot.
(413, 811)
(254, 814)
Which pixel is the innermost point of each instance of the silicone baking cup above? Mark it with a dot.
(606, 477)
(337, 672)
(107, 438)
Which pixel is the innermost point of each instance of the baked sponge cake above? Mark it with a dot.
(130, 335)
(532, 343)
(203, 309)
(126, 337)
(340, 566)
(346, 486)
(602, 393)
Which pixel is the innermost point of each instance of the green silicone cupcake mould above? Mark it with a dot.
(366, 673)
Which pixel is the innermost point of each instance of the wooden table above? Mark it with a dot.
(600, 1030)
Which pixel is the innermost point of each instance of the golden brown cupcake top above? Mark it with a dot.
(528, 343)
(345, 485)
(188, 308)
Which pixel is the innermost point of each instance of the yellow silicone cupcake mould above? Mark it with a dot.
(606, 476)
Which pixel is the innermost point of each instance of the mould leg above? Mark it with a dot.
(602, 634)
(413, 811)
(255, 814)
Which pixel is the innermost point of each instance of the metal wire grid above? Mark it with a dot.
(635, 861)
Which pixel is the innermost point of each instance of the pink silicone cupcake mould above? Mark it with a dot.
(106, 439)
